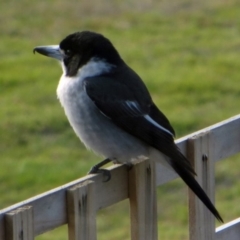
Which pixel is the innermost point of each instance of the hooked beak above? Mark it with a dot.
(52, 51)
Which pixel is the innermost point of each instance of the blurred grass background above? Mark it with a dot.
(187, 52)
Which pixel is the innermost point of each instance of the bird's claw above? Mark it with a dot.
(106, 173)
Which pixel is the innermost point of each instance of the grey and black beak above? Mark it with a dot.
(52, 51)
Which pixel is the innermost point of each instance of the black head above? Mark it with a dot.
(78, 48)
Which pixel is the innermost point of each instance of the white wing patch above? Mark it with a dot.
(148, 118)
(134, 107)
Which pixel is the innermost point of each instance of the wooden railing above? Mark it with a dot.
(77, 202)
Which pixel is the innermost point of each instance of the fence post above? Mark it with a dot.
(201, 220)
(19, 224)
(81, 211)
(143, 202)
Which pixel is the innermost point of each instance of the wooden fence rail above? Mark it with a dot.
(76, 203)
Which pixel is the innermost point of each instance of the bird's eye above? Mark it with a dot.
(68, 52)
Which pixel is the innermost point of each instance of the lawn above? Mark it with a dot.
(188, 54)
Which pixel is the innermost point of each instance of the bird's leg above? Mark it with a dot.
(96, 169)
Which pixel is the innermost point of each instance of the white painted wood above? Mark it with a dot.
(229, 231)
(50, 207)
(225, 136)
(19, 224)
(143, 201)
(201, 221)
(81, 211)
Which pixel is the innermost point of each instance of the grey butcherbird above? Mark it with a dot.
(111, 110)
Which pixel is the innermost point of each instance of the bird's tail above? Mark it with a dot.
(184, 169)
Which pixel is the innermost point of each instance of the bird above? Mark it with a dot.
(111, 110)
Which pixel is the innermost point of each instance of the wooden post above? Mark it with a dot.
(19, 224)
(143, 202)
(81, 210)
(201, 220)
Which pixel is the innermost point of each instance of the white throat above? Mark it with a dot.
(70, 89)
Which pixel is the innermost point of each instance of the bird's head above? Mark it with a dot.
(78, 49)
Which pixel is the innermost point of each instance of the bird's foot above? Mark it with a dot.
(96, 169)
(106, 173)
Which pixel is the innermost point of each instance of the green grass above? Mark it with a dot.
(188, 54)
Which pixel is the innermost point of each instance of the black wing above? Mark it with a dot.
(142, 119)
